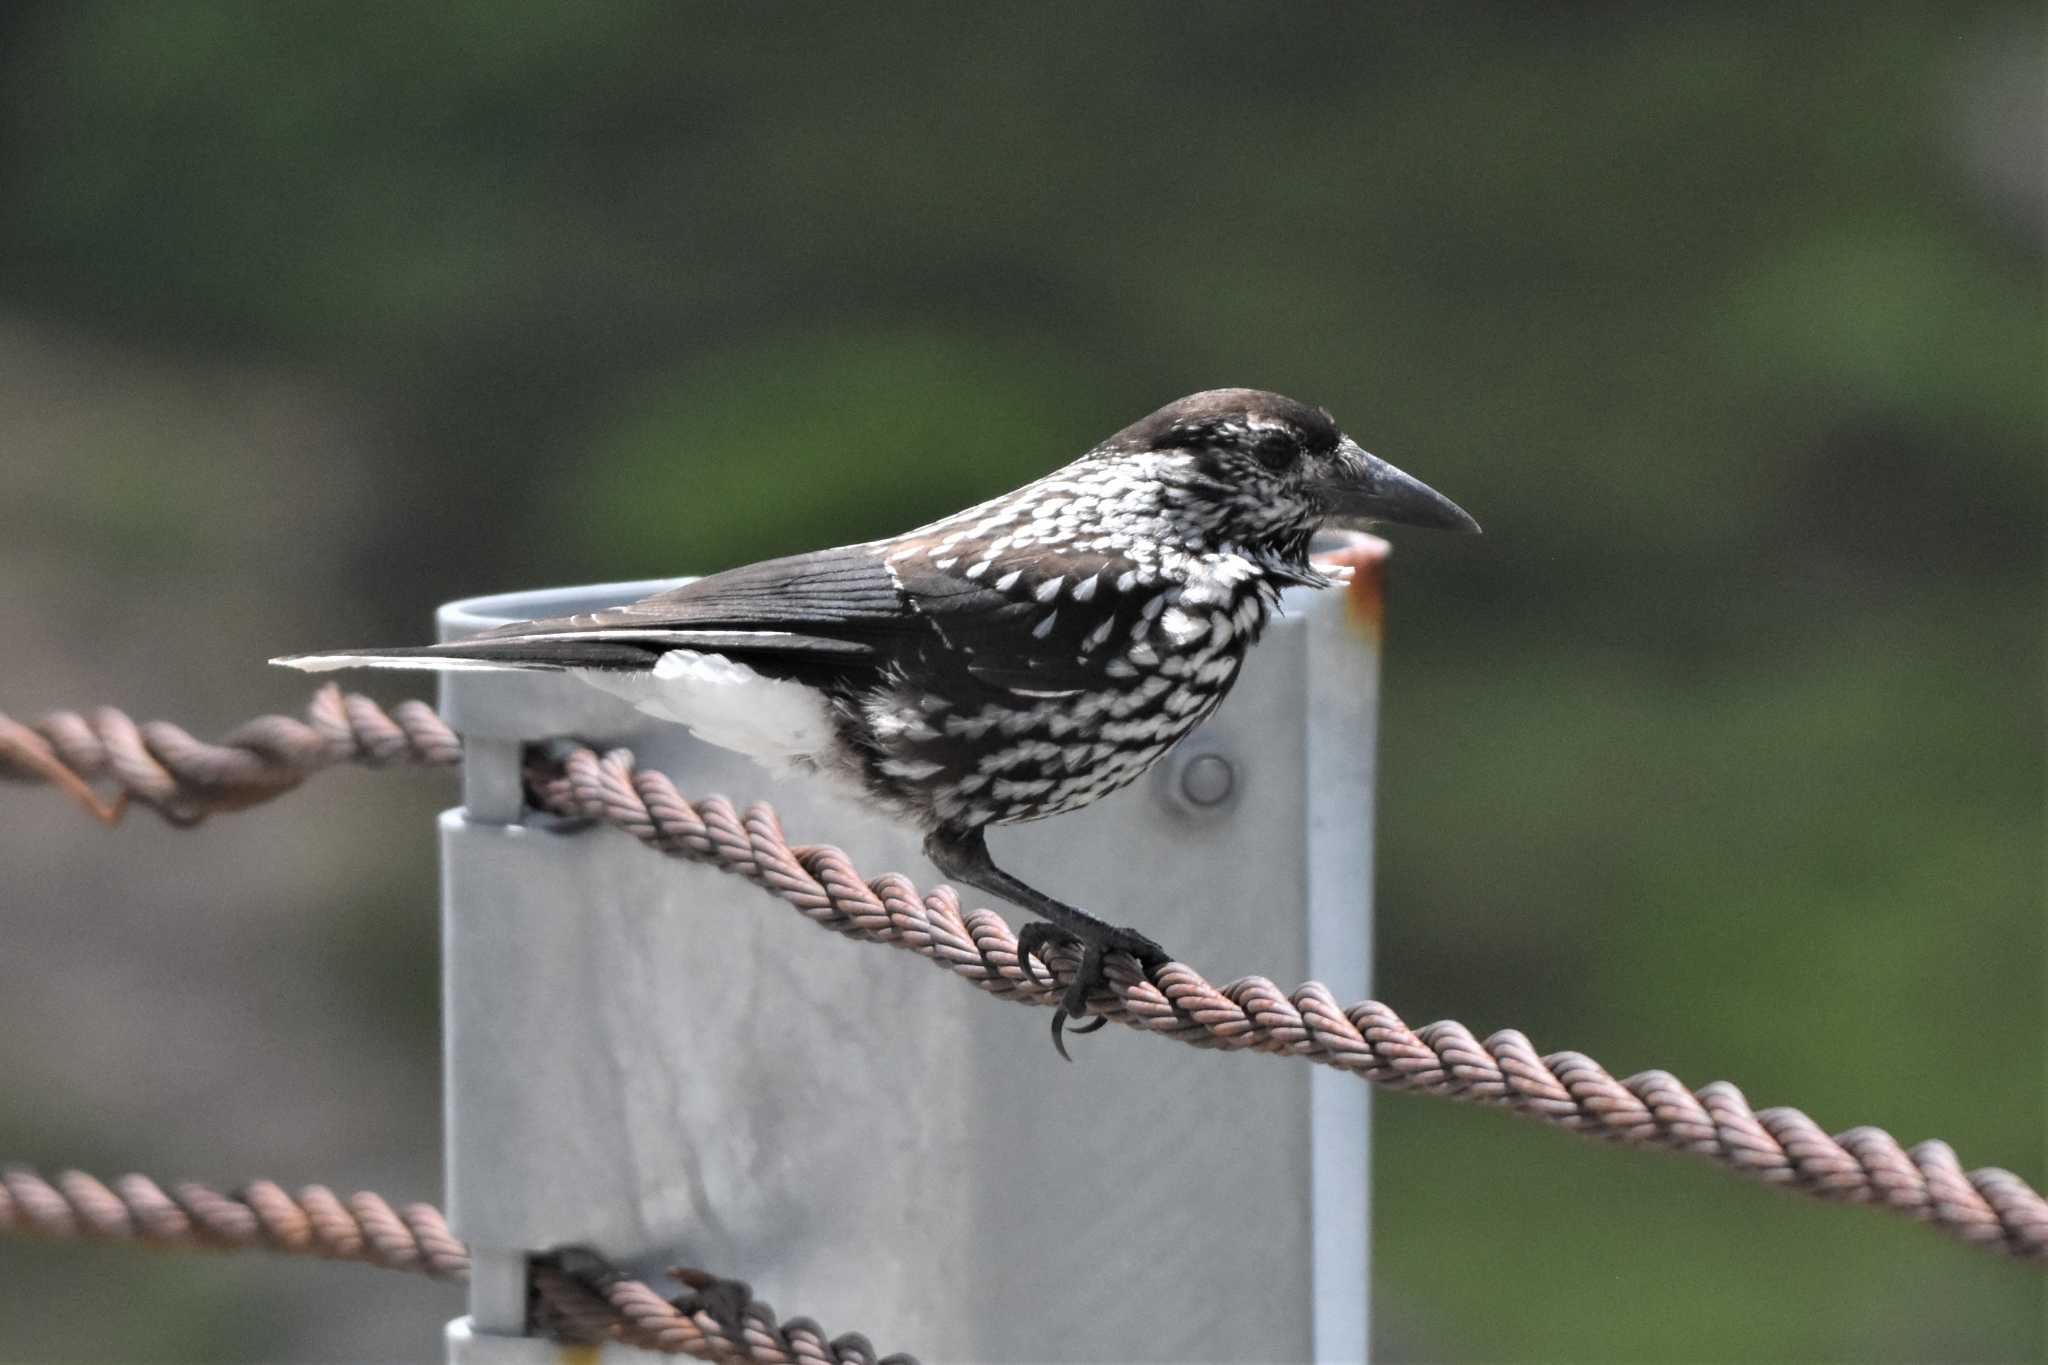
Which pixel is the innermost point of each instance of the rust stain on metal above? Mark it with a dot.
(1364, 558)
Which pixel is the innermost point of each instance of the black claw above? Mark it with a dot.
(1030, 940)
(1092, 976)
(1059, 1021)
(1086, 980)
(1074, 1004)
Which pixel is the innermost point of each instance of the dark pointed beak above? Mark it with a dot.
(1363, 488)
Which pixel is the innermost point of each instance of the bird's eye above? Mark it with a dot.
(1275, 450)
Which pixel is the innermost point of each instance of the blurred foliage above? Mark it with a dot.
(1723, 752)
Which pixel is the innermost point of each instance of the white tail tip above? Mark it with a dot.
(417, 663)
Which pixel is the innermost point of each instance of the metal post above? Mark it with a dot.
(646, 1057)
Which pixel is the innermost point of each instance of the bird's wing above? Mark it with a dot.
(1033, 623)
(1038, 624)
(821, 613)
(846, 593)
(830, 608)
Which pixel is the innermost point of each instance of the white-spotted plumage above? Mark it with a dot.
(1019, 659)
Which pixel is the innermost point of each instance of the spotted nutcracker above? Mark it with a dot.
(1020, 659)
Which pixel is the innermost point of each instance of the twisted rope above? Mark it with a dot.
(263, 1216)
(259, 1216)
(185, 780)
(1989, 1207)
(632, 1312)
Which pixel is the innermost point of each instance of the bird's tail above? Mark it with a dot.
(479, 656)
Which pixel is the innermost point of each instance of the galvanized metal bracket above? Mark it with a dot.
(638, 1059)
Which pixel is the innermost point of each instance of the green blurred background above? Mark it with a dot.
(1722, 752)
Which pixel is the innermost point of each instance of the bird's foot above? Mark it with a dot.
(1096, 945)
(1032, 941)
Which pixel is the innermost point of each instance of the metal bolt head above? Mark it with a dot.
(1207, 780)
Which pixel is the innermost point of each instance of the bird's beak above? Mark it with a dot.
(1361, 488)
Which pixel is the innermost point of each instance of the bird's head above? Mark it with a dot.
(1257, 469)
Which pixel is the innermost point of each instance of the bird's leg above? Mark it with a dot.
(963, 855)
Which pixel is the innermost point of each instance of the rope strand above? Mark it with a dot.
(185, 780)
(263, 1216)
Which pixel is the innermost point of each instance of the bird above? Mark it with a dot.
(1017, 660)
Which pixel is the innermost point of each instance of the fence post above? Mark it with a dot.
(650, 1058)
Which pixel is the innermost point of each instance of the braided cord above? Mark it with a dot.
(1989, 1207)
(184, 780)
(263, 1216)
